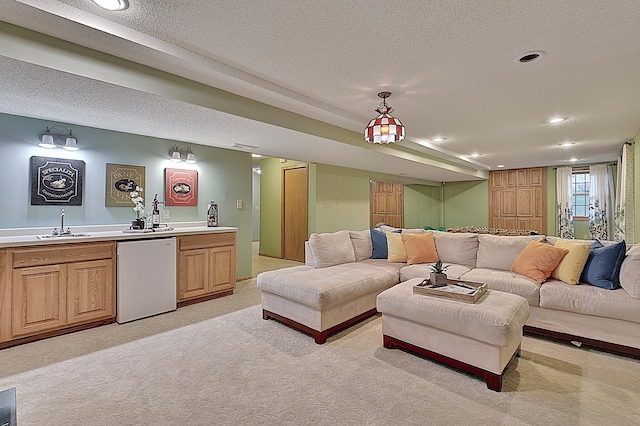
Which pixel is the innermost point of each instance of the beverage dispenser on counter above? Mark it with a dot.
(212, 214)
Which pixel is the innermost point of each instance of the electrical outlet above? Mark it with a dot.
(165, 214)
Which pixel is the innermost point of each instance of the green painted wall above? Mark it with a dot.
(422, 206)
(338, 199)
(342, 199)
(255, 206)
(466, 203)
(223, 176)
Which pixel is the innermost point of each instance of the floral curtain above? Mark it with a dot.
(625, 197)
(564, 204)
(601, 202)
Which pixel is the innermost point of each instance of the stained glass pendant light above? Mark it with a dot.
(384, 128)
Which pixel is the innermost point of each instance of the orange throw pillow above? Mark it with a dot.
(538, 260)
(421, 248)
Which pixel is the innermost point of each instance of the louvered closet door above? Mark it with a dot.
(517, 199)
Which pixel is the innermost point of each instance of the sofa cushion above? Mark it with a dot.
(509, 282)
(572, 263)
(499, 251)
(379, 244)
(603, 265)
(630, 271)
(326, 288)
(590, 300)
(331, 249)
(457, 248)
(538, 260)
(361, 242)
(421, 248)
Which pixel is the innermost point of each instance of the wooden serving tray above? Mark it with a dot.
(454, 290)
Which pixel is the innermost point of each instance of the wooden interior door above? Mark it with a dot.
(518, 199)
(386, 201)
(295, 196)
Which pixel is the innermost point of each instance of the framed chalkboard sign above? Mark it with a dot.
(56, 181)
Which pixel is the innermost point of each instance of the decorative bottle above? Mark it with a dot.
(212, 214)
(155, 216)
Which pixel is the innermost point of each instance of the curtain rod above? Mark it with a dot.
(587, 165)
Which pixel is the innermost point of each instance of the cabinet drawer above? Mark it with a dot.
(192, 242)
(62, 253)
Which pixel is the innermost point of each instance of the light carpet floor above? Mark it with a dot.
(220, 363)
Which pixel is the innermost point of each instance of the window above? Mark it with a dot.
(580, 193)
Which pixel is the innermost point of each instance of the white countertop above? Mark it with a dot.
(29, 236)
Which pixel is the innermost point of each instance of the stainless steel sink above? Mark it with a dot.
(53, 237)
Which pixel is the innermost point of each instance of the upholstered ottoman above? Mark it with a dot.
(479, 338)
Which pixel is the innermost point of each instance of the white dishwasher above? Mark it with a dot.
(146, 281)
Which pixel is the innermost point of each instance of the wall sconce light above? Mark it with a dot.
(58, 137)
(182, 153)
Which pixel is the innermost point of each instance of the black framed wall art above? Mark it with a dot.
(56, 181)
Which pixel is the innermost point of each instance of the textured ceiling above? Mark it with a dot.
(450, 64)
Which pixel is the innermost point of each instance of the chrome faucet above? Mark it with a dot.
(62, 231)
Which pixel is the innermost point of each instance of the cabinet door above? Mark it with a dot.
(38, 298)
(90, 291)
(193, 276)
(222, 273)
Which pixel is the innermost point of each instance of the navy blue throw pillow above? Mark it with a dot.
(603, 265)
(379, 241)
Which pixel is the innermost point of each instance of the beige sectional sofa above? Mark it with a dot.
(339, 283)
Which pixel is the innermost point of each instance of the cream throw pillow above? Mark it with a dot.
(572, 263)
(395, 246)
(500, 251)
(331, 249)
(362, 245)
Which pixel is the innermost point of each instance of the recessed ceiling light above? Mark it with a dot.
(532, 56)
(556, 120)
(566, 144)
(112, 4)
(474, 155)
(439, 139)
(573, 160)
(500, 166)
(256, 155)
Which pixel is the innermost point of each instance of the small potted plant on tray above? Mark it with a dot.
(438, 277)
